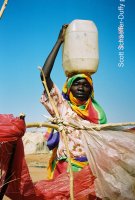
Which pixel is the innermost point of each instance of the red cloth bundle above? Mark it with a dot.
(20, 185)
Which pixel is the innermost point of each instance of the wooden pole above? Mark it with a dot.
(43, 124)
(97, 127)
(3, 7)
(63, 134)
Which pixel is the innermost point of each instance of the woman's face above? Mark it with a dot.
(81, 89)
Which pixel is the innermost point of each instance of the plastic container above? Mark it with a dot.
(80, 48)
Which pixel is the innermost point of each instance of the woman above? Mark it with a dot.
(76, 104)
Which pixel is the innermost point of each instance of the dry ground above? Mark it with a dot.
(37, 164)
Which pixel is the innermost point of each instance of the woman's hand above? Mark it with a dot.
(62, 33)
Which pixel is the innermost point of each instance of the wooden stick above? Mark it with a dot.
(99, 127)
(63, 134)
(95, 126)
(3, 7)
(48, 93)
(42, 124)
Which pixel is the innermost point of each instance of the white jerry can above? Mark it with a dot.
(80, 48)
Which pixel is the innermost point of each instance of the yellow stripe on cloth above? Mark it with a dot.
(78, 163)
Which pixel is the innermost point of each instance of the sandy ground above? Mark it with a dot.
(37, 164)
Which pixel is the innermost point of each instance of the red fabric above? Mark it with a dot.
(11, 128)
(61, 167)
(58, 188)
(132, 130)
(21, 185)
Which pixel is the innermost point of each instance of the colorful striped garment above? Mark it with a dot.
(90, 110)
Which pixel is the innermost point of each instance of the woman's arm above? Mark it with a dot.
(48, 65)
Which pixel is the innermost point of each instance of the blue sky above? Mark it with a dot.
(28, 31)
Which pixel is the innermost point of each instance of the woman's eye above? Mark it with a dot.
(86, 85)
(75, 83)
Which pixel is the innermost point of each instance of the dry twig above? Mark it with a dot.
(3, 7)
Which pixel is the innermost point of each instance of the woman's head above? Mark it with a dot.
(81, 89)
(80, 86)
(78, 91)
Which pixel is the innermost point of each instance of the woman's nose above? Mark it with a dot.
(80, 87)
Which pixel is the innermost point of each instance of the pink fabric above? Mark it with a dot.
(75, 143)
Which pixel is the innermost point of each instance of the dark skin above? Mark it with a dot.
(49, 62)
(80, 87)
